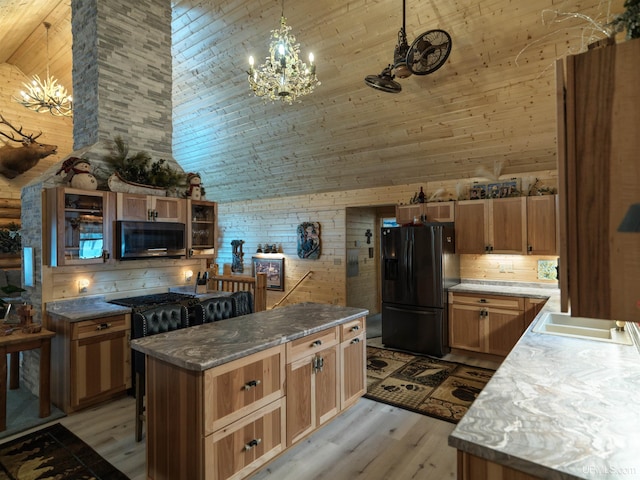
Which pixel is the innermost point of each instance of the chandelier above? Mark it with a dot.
(283, 76)
(48, 95)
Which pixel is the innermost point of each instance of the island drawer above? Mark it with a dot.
(351, 329)
(100, 326)
(311, 344)
(237, 388)
(240, 448)
(496, 301)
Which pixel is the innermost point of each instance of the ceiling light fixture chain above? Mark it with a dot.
(283, 76)
(48, 95)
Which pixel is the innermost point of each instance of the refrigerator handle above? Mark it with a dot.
(410, 261)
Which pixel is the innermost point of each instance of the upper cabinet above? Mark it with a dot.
(599, 179)
(542, 220)
(149, 208)
(79, 227)
(201, 228)
(517, 225)
(430, 212)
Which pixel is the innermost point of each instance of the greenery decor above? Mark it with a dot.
(139, 168)
(10, 239)
(629, 20)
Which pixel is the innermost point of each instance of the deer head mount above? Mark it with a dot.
(17, 160)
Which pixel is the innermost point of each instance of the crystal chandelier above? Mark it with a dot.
(283, 76)
(48, 95)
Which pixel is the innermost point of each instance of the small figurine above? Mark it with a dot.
(79, 174)
(195, 191)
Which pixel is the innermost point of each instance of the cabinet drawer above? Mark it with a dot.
(235, 389)
(310, 344)
(239, 449)
(352, 329)
(100, 326)
(497, 301)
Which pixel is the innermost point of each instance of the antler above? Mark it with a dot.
(25, 138)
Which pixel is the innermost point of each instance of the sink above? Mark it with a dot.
(556, 323)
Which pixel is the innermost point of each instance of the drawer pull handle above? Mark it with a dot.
(251, 384)
(253, 443)
(103, 326)
(317, 343)
(483, 300)
(355, 340)
(355, 328)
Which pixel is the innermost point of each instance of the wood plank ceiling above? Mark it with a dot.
(492, 103)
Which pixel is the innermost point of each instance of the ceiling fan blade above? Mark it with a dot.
(429, 52)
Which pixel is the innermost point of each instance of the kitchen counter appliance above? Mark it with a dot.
(419, 264)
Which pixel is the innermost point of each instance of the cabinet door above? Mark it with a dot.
(541, 225)
(440, 211)
(80, 226)
(312, 393)
(201, 232)
(471, 227)
(134, 207)
(406, 213)
(169, 209)
(532, 307)
(464, 327)
(508, 225)
(353, 360)
(503, 329)
(100, 367)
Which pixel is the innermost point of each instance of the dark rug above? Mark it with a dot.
(425, 385)
(53, 453)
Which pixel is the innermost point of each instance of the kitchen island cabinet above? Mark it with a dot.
(220, 395)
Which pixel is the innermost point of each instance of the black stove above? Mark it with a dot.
(146, 301)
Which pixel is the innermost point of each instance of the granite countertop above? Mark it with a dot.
(518, 289)
(559, 408)
(85, 308)
(206, 346)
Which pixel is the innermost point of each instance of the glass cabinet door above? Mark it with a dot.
(202, 234)
(82, 227)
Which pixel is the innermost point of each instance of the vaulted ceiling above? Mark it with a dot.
(493, 104)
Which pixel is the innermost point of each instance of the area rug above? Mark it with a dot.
(425, 385)
(53, 453)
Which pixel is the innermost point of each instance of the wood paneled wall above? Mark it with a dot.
(275, 221)
(55, 130)
(362, 270)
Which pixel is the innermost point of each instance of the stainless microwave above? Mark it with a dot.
(138, 240)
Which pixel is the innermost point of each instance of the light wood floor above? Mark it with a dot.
(370, 441)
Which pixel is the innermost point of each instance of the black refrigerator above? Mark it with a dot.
(419, 264)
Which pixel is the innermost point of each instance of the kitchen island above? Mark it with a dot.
(557, 408)
(218, 405)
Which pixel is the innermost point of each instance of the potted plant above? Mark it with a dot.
(629, 20)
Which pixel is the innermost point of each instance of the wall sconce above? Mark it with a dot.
(188, 276)
(83, 285)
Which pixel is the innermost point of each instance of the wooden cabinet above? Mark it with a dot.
(542, 222)
(432, 211)
(491, 226)
(485, 323)
(79, 226)
(149, 208)
(471, 467)
(312, 383)
(353, 362)
(599, 178)
(532, 307)
(91, 361)
(201, 228)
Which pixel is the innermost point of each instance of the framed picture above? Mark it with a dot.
(274, 268)
(478, 192)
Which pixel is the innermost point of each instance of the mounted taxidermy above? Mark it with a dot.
(17, 160)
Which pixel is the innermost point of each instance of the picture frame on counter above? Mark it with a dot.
(274, 269)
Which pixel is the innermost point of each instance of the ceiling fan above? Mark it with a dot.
(427, 53)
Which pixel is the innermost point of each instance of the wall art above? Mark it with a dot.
(274, 268)
(309, 240)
